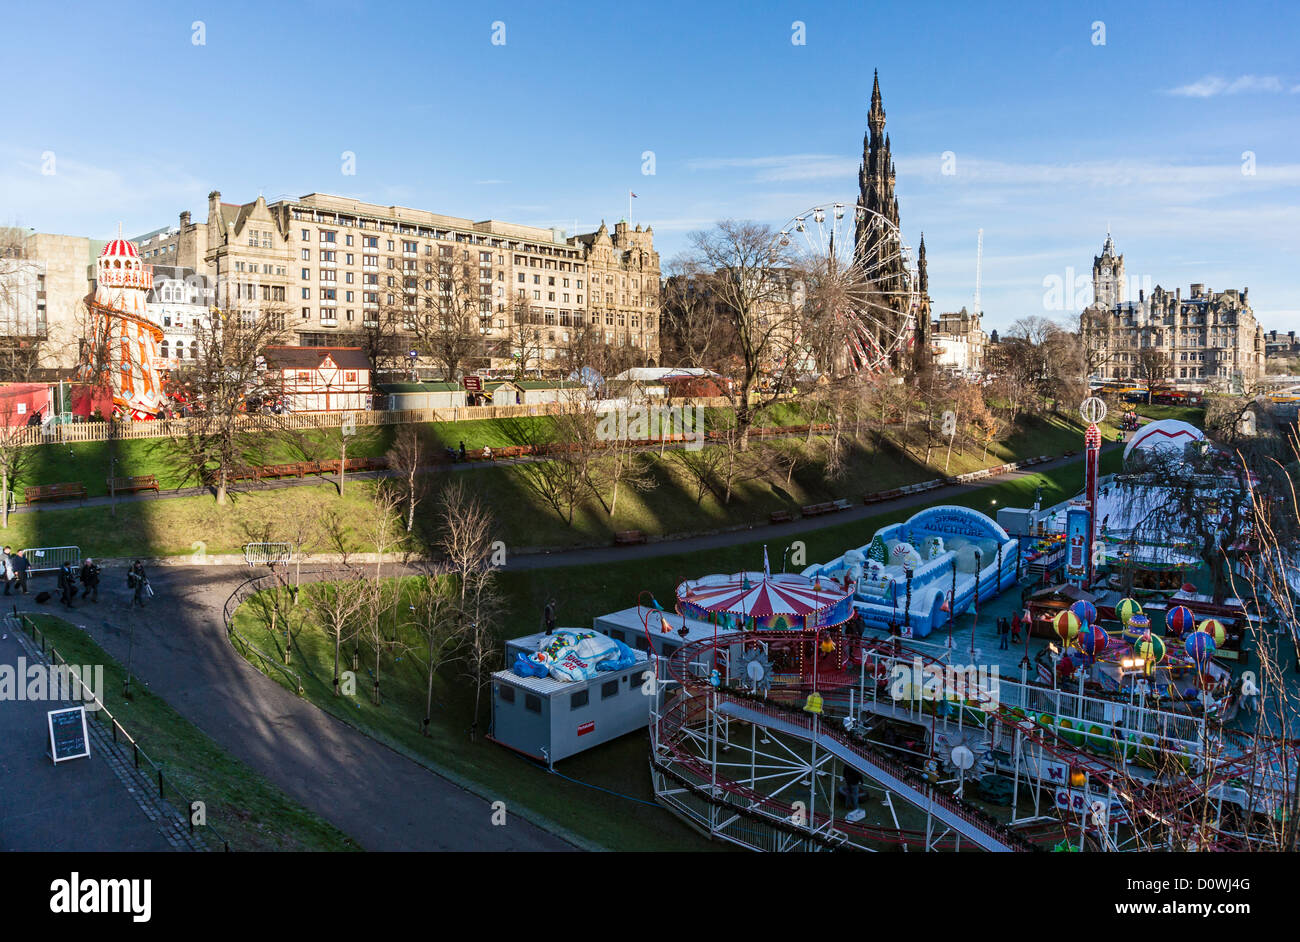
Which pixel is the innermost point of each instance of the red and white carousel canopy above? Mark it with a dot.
(751, 594)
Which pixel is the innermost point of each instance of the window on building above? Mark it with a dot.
(532, 703)
(506, 693)
(578, 700)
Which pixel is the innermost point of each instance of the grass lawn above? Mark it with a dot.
(1194, 415)
(618, 821)
(626, 820)
(246, 809)
(174, 526)
(89, 462)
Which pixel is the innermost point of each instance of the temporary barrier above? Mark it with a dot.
(51, 558)
(268, 554)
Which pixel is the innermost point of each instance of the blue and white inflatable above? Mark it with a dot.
(930, 553)
(574, 655)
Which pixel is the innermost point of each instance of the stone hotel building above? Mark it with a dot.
(332, 266)
(1210, 337)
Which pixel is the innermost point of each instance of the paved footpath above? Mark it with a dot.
(92, 804)
(377, 796)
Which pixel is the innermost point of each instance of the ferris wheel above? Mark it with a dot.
(859, 292)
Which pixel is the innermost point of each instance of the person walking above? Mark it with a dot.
(1004, 631)
(67, 584)
(8, 565)
(90, 580)
(851, 790)
(462, 451)
(1015, 628)
(139, 582)
(21, 566)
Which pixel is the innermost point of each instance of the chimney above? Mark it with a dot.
(185, 219)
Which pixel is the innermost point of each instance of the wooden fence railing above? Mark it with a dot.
(167, 428)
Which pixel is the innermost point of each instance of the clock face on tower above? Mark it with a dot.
(1105, 271)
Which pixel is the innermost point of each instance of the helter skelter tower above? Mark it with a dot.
(120, 353)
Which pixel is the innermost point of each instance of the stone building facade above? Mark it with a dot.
(42, 299)
(1211, 338)
(330, 266)
(958, 342)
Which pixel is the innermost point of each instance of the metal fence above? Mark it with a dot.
(52, 558)
(120, 736)
(265, 554)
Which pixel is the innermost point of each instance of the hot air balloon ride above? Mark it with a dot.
(1086, 611)
(1066, 624)
(1125, 609)
(1179, 621)
(1215, 629)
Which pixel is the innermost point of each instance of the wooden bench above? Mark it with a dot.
(138, 482)
(67, 491)
(242, 474)
(628, 537)
(814, 510)
(781, 516)
(841, 503)
(291, 470)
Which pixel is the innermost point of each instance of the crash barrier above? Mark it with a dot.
(51, 558)
(266, 554)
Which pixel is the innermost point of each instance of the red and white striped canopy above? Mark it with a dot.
(751, 594)
(120, 247)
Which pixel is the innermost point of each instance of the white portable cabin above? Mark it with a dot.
(551, 719)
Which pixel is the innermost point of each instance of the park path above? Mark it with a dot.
(382, 799)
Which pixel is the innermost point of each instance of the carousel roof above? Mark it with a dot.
(758, 595)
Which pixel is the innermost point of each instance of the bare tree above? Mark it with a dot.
(15, 456)
(434, 616)
(692, 332)
(212, 444)
(524, 342)
(754, 289)
(1155, 367)
(404, 459)
(337, 608)
(450, 302)
(465, 539)
(378, 624)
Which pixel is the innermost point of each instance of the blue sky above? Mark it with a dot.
(1053, 136)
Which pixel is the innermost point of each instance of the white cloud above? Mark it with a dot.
(783, 167)
(1211, 85)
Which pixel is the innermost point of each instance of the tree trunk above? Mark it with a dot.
(338, 640)
(4, 499)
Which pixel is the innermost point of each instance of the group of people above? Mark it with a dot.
(1009, 628)
(462, 454)
(16, 568)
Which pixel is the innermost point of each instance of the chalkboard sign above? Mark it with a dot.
(68, 738)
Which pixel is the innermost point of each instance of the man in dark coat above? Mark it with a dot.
(67, 584)
(90, 580)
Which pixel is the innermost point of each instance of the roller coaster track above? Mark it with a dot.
(1171, 803)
